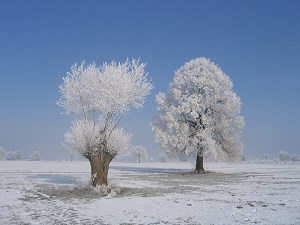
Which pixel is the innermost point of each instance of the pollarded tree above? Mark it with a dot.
(200, 115)
(140, 152)
(99, 144)
(99, 96)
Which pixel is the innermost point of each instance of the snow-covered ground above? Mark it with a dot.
(151, 193)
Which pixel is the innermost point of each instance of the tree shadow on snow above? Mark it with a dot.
(150, 169)
(57, 179)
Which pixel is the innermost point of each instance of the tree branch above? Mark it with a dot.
(116, 123)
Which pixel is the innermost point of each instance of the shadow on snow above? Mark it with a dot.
(150, 169)
(57, 179)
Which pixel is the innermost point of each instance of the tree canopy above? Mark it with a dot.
(99, 96)
(200, 114)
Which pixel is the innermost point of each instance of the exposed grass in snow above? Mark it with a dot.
(149, 193)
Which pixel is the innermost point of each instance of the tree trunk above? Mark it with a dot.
(199, 163)
(99, 168)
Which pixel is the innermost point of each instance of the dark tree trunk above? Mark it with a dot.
(99, 167)
(199, 163)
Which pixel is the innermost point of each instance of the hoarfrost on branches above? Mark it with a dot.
(85, 136)
(99, 96)
(111, 88)
(200, 114)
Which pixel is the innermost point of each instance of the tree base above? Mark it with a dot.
(200, 171)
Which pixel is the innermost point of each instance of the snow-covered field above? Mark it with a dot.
(151, 193)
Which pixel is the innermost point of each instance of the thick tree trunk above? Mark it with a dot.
(99, 168)
(199, 163)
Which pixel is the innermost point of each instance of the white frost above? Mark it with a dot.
(200, 114)
(99, 96)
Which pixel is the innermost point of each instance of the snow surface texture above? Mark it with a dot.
(150, 193)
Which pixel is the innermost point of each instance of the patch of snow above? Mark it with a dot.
(150, 193)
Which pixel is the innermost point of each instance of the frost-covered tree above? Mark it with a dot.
(284, 156)
(200, 115)
(35, 156)
(295, 158)
(10, 155)
(18, 155)
(140, 152)
(99, 96)
(14, 155)
(3, 153)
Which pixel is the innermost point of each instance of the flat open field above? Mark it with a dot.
(150, 193)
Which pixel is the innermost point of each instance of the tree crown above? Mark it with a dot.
(200, 112)
(99, 96)
(112, 87)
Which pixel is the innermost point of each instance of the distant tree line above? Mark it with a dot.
(284, 156)
(281, 157)
(18, 155)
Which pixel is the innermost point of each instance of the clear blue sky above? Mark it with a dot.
(257, 43)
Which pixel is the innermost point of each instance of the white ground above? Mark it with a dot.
(162, 193)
